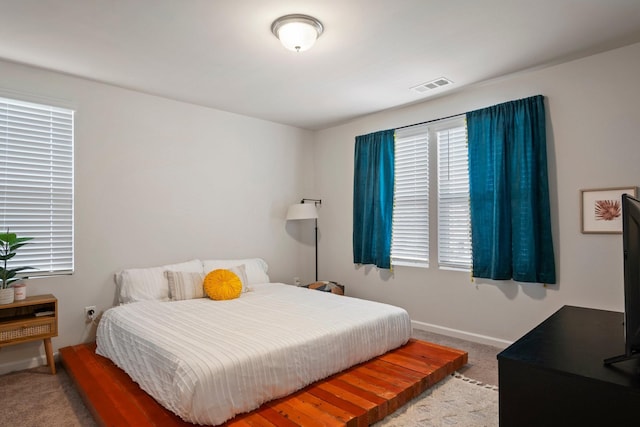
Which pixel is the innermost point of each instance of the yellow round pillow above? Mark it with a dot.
(222, 284)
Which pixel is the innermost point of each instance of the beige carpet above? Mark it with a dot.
(483, 364)
(456, 401)
(35, 398)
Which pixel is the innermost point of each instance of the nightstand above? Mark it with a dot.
(30, 319)
(326, 286)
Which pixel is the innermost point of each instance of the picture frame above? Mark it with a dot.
(601, 209)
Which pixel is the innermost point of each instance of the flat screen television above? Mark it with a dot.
(631, 257)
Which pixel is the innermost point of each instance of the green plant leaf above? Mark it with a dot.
(7, 274)
(22, 269)
(9, 244)
(16, 246)
(7, 237)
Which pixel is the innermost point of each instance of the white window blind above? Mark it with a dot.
(454, 221)
(410, 238)
(36, 184)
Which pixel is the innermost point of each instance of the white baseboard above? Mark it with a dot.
(20, 365)
(482, 339)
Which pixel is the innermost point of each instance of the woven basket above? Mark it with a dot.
(23, 332)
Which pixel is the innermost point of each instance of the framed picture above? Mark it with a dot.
(601, 209)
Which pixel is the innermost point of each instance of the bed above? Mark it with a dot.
(208, 360)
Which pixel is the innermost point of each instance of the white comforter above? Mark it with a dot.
(209, 360)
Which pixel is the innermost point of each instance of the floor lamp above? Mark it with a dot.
(306, 209)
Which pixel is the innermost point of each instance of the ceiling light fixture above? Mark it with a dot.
(297, 32)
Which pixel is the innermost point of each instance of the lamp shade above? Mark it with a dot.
(302, 211)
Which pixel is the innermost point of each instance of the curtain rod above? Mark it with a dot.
(431, 121)
(461, 114)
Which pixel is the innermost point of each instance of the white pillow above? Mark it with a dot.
(255, 268)
(143, 284)
(241, 272)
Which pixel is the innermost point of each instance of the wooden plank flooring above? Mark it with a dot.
(356, 397)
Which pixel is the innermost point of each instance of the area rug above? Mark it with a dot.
(456, 401)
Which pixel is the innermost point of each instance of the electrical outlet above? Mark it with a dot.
(90, 313)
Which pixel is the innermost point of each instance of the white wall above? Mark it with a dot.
(159, 181)
(593, 142)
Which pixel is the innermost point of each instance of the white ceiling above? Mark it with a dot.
(221, 53)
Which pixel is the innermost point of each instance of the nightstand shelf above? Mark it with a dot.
(34, 318)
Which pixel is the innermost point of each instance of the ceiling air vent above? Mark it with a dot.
(433, 84)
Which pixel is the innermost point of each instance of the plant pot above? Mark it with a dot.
(6, 296)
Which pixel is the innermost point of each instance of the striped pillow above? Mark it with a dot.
(185, 285)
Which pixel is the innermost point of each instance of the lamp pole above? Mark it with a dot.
(316, 249)
(317, 202)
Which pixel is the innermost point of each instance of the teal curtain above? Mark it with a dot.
(373, 198)
(509, 192)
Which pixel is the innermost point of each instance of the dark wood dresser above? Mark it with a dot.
(554, 375)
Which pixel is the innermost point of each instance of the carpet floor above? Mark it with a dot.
(35, 398)
(456, 401)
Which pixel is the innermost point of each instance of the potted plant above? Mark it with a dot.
(9, 244)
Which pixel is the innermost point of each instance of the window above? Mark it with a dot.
(454, 220)
(410, 225)
(36, 183)
(412, 215)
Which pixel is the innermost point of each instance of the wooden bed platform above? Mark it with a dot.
(358, 396)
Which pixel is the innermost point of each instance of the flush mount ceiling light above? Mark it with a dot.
(297, 32)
